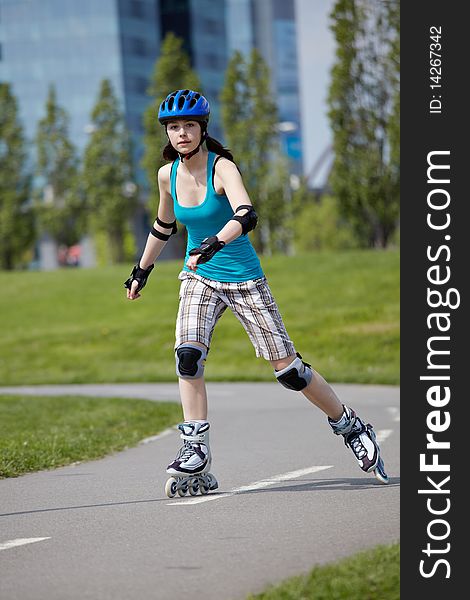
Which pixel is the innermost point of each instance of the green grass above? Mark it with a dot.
(38, 433)
(370, 575)
(75, 325)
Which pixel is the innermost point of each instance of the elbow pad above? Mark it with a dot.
(247, 221)
(164, 236)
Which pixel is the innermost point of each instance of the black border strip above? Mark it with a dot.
(423, 132)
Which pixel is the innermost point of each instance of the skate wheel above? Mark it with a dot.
(170, 487)
(194, 487)
(183, 490)
(213, 483)
(382, 477)
(204, 489)
(379, 472)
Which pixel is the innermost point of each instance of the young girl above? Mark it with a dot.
(202, 188)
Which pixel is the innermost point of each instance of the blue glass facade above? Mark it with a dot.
(287, 87)
(47, 42)
(139, 36)
(74, 45)
(240, 24)
(270, 26)
(210, 51)
(201, 23)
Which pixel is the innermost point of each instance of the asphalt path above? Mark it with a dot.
(291, 496)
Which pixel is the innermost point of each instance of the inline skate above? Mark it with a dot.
(190, 469)
(360, 438)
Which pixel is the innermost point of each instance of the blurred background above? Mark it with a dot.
(304, 92)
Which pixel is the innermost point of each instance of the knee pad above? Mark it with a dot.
(190, 361)
(295, 376)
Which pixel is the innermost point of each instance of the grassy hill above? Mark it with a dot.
(76, 326)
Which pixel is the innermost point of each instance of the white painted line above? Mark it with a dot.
(154, 438)
(394, 412)
(21, 542)
(382, 434)
(257, 485)
(199, 500)
(278, 478)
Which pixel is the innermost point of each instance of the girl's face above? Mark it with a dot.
(184, 135)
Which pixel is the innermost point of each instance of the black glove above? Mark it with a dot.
(209, 246)
(140, 275)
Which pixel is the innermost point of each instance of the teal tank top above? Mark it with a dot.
(237, 261)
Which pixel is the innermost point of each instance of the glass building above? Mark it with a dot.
(74, 45)
(214, 29)
(270, 26)
(201, 24)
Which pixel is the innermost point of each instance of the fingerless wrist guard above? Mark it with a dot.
(209, 246)
(139, 275)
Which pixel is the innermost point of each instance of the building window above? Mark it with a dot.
(134, 123)
(210, 26)
(140, 85)
(137, 9)
(175, 16)
(211, 94)
(135, 46)
(138, 47)
(211, 60)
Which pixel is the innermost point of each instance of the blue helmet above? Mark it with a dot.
(184, 104)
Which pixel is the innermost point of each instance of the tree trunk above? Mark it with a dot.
(7, 261)
(116, 246)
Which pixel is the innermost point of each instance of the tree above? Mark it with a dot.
(364, 113)
(107, 173)
(249, 118)
(16, 224)
(393, 17)
(172, 72)
(235, 109)
(60, 210)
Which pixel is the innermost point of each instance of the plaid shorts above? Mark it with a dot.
(202, 302)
